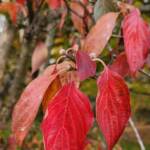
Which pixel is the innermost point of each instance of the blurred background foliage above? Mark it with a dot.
(63, 39)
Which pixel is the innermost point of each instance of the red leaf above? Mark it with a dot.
(54, 4)
(136, 39)
(85, 66)
(99, 35)
(112, 106)
(27, 107)
(39, 56)
(120, 65)
(67, 120)
(12, 9)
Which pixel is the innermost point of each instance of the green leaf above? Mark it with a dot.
(102, 7)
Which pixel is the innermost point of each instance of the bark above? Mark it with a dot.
(17, 83)
(6, 39)
(32, 34)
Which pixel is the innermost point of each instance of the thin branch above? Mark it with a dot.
(87, 12)
(80, 16)
(144, 73)
(140, 93)
(69, 9)
(139, 139)
(110, 49)
(30, 10)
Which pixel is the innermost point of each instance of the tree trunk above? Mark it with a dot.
(19, 78)
(6, 39)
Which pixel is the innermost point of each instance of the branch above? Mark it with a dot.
(140, 93)
(139, 139)
(69, 9)
(80, 16)
(6, 39)
(30, 10)
(144, 73)
(17, 82)
(87, 11)
(22, 66)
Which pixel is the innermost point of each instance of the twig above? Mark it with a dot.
(139, 139)
(144, 73)
(69, 9)
(83, 17)
(140, 93)
(86, 11)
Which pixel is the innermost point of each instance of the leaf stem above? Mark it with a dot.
(60, 59)
(101, 61)
(70, 50)
(139, 139)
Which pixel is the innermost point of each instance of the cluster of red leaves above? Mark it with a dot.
(27, 107)
(68, 114)
(33, 95)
